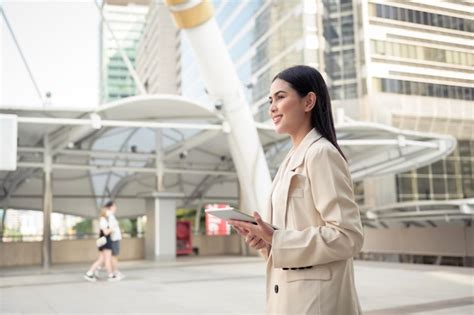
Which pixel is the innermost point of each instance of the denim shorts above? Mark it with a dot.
(115, 248)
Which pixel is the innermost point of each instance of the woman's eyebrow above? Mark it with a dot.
(280, 91)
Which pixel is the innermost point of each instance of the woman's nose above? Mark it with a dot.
(272, 108)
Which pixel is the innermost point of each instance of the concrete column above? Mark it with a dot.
(160, 233)
(47, 206)
(159, 164)
(4, 218)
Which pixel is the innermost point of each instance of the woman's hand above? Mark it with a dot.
(251, 239)
(256, 236)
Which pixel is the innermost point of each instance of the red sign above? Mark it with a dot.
(215, 225)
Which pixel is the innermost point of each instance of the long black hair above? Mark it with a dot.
(305, 79)
(109, 204)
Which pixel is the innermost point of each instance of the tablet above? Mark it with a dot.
(233, 214)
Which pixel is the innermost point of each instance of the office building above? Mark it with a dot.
(123, 26)
(407, 64)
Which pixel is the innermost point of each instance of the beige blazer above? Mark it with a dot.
(320, 227)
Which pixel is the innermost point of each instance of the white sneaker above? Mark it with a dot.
(119, 275)
(90, 277)
(113, 278)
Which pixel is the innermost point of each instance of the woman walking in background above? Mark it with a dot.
(105, 251)
(309, 258)
(115, 237)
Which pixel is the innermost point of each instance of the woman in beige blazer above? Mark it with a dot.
(309, 258)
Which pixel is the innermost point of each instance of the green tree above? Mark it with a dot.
(83, 228)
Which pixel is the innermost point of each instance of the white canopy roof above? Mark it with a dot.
(111, 153)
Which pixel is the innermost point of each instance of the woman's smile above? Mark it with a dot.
(276, 119)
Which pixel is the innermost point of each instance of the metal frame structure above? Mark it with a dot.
(421, 212)
(195, 164)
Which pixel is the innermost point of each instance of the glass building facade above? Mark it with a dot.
(423, 60)
(339, 54)
(262, 37)
(393, 62)
(126, 22)
(450, 178)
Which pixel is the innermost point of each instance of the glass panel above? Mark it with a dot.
(423, 188)
(412, 52)
(393, 13)
(414, 88)
(396, 49)
(380, 47)
(411, 16)
(406, 185)
(466, 168)
(470, 60)
(468, 187)
(426, 18)
(418, 17)
(453, 185)
(464, 148)
(438, 168)
(423, 170)
(449, 56)
(405, 87)
(386, 12)
(403, 14)
(463, 59)
(439, 186)
(404, 51)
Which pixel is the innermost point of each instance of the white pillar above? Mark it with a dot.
(195, 18)
(47, 206)
(160, 232)
(159, 165)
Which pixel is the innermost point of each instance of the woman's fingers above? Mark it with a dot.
(249, 238)
(257, 243)
(241, 231)
(253, 241)
(243, 225)
(261, 244)
(261, 229)
(266, 232)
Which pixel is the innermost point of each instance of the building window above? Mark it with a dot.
(450, 178)
(425, 89)
(407, 51)
(425, 18)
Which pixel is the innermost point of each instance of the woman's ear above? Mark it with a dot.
(310, 101)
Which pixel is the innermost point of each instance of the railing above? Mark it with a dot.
(61, 237)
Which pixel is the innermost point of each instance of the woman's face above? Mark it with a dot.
(287, 109)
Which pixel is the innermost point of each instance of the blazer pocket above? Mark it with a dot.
(315, 273)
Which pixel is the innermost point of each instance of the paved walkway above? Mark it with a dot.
(225, 285)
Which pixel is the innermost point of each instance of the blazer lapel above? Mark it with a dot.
(300, 152)
(296, 160)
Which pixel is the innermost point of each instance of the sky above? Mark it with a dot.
(60, 41)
